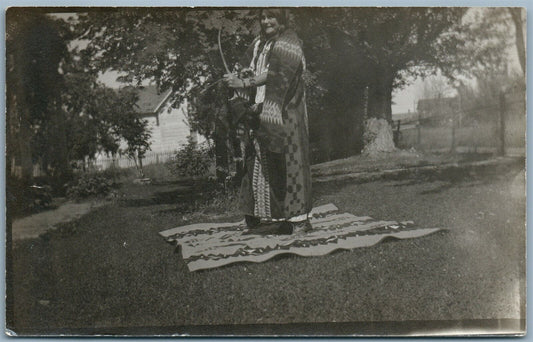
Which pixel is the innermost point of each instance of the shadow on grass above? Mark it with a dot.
(455, 177)
(167, 197)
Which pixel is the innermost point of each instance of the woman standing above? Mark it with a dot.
(276, 187)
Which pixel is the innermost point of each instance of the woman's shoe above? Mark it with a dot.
(266, 228)
(285, 228)
(252, 221)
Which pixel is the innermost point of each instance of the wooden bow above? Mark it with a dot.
(222, 53)
(223, 61)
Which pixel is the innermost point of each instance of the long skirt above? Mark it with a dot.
(275, 186)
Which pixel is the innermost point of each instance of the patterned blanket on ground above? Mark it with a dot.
(210, 245)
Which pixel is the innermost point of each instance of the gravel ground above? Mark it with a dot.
(111, 269)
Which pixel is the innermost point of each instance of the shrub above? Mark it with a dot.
(192, 160)
(89, 185)
(23, 198)
(116, 173)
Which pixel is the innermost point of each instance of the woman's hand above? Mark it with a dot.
(233, 81)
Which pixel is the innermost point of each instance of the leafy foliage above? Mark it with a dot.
(483, 36)
(22, 198)
(99, 117)
(89, 185)
(191, 160)
(381, 48)
(58, 113)
(350, 52)
(174, 47)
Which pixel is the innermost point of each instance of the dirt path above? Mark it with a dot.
(37, 224)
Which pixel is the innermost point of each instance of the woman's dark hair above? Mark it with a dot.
(279, 13)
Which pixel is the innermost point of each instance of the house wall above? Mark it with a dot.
(170, 130)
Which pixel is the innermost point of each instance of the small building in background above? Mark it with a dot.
(437, 110)
(167, 125)
(168, 128)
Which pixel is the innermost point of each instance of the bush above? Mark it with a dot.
(116, 173)
(192, 160)
(23, 198)
(89, 185)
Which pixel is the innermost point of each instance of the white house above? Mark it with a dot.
(168, 127)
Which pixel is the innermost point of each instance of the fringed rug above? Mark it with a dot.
(210, 245)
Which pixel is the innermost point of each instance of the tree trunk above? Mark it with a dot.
(59, 153)
(380, 97)
(25, 154)
(378, 136)
(141, 170)
(516, 14)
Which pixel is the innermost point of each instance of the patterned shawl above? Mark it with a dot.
(286, 62)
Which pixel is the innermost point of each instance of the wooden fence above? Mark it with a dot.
(497, 128)
(125, 162)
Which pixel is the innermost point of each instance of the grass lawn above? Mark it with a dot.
(110, 268)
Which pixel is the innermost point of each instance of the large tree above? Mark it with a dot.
(176, 48)
(100, 119)
(356, 57)
(35, 50)
(57, 111)
(517, 15)
(380, 50)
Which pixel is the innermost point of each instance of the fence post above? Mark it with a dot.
(365, 100)
(418, 135)
(452, 149)
(454, 110)
(396, 134)
(501, 147)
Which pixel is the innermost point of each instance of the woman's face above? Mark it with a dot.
(269, 24)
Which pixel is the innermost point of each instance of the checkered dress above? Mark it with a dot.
(277, 181)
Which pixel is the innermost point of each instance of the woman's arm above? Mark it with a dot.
(234, 81)
(256, 81)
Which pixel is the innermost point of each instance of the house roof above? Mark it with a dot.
(150, 100)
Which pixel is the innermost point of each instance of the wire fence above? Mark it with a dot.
(495, 127)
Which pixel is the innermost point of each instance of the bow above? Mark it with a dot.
(223, 61)
(222, 53)
(238, 94)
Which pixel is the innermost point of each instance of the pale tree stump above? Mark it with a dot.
(378, 137)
